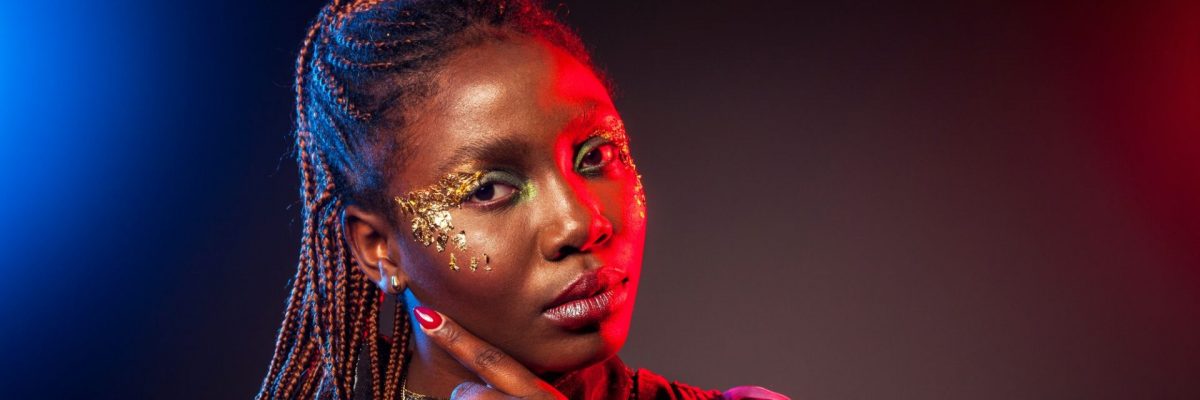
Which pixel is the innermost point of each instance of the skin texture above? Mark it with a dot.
(539, 105)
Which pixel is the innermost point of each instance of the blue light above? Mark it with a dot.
(75, 112)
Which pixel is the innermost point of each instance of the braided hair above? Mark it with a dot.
(362, 65)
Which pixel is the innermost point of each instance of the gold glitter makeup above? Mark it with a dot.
(460, 240)
(615, 133)
(429, 210)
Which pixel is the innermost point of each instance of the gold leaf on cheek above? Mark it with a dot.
(460, 240)
(429, 209)
(616, 134)
(441, 220)
(639, 197)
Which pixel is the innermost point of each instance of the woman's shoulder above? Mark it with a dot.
(648, 385)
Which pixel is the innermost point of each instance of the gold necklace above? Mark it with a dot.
(406, 394)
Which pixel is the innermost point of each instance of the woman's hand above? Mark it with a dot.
(505, 377)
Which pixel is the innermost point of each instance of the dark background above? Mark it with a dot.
(866, 200)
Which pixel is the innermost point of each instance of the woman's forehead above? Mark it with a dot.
(517, 93)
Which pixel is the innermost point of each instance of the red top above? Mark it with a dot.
(612, 380)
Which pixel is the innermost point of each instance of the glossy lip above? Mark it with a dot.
(589, 299)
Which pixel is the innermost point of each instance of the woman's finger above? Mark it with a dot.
(475, 391)
(493, 366)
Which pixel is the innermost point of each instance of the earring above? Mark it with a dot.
(392, 285)
(395, 284)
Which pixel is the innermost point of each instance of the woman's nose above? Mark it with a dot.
(577, 223)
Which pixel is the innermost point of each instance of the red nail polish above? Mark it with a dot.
(428, 318)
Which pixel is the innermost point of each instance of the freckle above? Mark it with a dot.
(487, 261)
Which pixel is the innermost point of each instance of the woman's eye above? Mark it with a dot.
(597, 157)
(491, 192)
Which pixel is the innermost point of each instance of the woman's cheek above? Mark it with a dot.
(492, 258)
(630, 200)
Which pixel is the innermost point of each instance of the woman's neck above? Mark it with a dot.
(432, 371)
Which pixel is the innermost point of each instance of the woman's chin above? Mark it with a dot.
(572, 344)
(577, 351)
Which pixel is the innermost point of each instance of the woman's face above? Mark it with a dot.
(553, 216)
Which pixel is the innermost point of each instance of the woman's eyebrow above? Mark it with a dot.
(492, 149)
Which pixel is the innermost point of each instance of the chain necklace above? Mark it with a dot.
(406, 394)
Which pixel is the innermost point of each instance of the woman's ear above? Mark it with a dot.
(370, 237)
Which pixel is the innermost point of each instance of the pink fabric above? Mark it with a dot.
(752, 393)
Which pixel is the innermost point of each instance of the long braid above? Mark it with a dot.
(301, 357)
(393, 358)
(352, 282)
(400, 330)
(373, 347)
(356, 334)
(332, 311)
(285, 343)
(286, 334)
(286, 370)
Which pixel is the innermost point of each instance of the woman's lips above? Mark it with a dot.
(588, 300)
(587, 311)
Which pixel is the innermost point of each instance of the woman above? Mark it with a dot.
(465, 158)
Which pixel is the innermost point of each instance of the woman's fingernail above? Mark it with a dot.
(429, 319)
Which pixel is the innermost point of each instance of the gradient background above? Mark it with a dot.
(902, 200)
